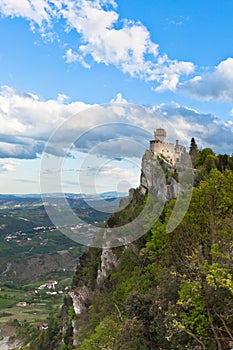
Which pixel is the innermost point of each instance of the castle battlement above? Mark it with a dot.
(171, 152)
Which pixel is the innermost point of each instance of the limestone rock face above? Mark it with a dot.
(173, 188)
(75, 332)
(80, 299)
(108, 261)
(156, 175)
(159, 177)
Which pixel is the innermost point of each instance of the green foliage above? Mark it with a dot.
(66, 347)
(86, 272)
(193, 317)
(50, 338)
(129, 213)
(104, 336)
(193, 151)
(171, 290)
(207, 160)
(219, 277)
(203, 155)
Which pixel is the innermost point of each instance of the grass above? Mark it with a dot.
(6, 303)
(29, 314)
(39, 304)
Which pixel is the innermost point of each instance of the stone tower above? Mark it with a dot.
(172, 153)
(160, 135)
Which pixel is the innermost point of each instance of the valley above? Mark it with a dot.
(33, 252)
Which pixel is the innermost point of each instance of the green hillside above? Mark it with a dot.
(169, 290)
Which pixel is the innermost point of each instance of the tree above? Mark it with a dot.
(202, 156)
(193, 150)
(104, 337)
(201, 254)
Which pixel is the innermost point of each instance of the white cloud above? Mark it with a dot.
(103, 37)
(124, 44)
(119, 99)
(208, 130)
(26, 114)
(168, 72)
(216, 85)
(39, 12)
(116, 172)
(114, 131)
(26, 121)
(71, 57)
(8, 166)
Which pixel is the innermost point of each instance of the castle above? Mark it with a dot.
(172, 153)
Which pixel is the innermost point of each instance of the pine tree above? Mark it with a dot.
(193, 150)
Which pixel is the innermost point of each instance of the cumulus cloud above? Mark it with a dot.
(216, 85)
(124, 44)
(26, 121)
(117, 130)
(123, 147)
(208, 130)
(103, 37)
(38, 12)
(119, 99)
(21, 151)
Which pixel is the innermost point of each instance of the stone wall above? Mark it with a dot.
(171, 152)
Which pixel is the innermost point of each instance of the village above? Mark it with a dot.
(22, 237)
(43, 297)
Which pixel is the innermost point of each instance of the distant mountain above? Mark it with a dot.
(7, 196)
(37, 196)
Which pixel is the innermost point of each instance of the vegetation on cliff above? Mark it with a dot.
(169, 290)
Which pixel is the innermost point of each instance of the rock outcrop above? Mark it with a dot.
(108, 261)
(158, 175)
(80, 298)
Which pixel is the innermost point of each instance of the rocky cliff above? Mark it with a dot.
(163, 290)
(159, 175)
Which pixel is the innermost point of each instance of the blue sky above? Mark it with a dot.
(62, 58)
